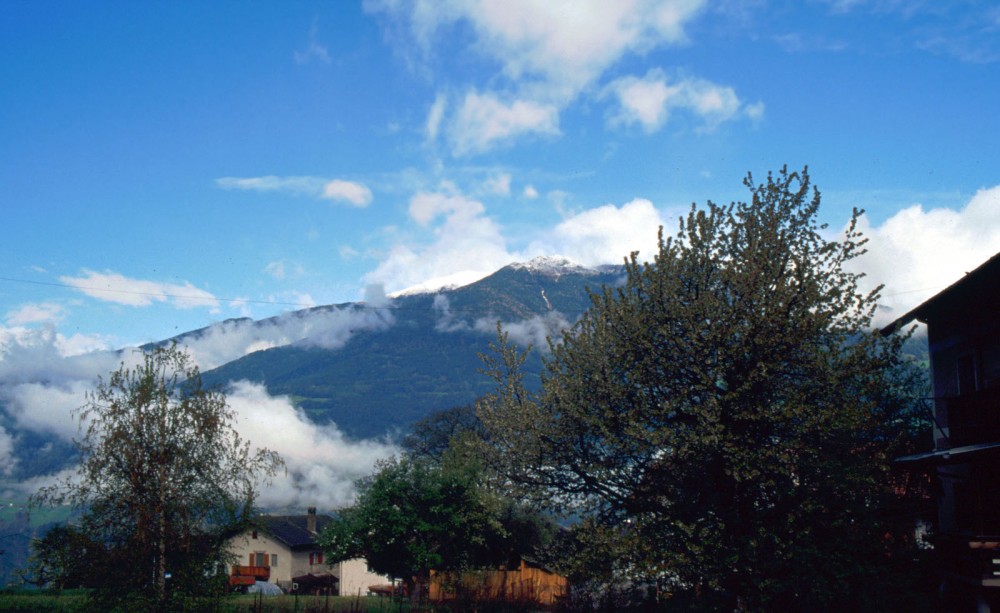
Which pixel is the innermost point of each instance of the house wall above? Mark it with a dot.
(355, 577)
(244, 545)
(290, 563)
(965, 362)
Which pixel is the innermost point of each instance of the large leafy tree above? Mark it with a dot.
(413, 516)
(727, 415)
(435, 508)
(164, 478)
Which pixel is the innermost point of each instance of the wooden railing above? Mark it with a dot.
(262, 573)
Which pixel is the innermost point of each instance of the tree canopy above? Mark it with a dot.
(433, 508)
(728, 414)
(164, 478)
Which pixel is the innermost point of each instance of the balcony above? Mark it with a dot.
(974, 559)
(241, 575)
(972, 419)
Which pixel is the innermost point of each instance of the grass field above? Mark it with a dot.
(72, 601)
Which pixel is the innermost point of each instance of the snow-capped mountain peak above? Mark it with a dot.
(552, 266)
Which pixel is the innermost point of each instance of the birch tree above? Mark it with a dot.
(164, 477)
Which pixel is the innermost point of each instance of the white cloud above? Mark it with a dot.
(7, 460)
(435, 115)
(530, 192)
(312, 186)
(498, 185)
(534, 331)
(348, 191)
(426, 206)
(280, 269)
(326, 327)
(315, 50)
(547, 52)
(45, 312)
(606, 234)
(113, 287)
(649, 101)
(467, 245)
(483, 120)
(564, 43)
(917, 253)
(41, 387)
(351, 192)
(322, 465)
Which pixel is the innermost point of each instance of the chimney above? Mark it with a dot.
(311, 520)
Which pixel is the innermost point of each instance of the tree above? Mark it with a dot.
(65, 558)
(413, 516)
(728, 413)
(164, 478)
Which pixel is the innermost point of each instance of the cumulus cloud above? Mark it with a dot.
(350, 192)
(918, 252)
(547, 53)
(649, 101)
(483, 120)
(322, 465)
(605, 234)
(45, 312)
(467, 245)
(113, 287)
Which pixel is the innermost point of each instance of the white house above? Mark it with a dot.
(283, 551)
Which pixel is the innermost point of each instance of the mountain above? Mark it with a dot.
(422, 354)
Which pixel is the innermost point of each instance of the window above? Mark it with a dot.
(274, 559)
(966, 374)
(315, 557)
(260, 559)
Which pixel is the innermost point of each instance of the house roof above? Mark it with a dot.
(291, 529)
(975, 290)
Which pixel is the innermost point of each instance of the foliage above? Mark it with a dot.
(164, 479)
(412, 516)
(434, 436)
(728, 414)
(65, 558)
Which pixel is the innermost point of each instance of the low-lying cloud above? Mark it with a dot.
(322, 465)
(42, 386)
(918, 252)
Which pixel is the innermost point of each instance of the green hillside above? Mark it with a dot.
(382, 381)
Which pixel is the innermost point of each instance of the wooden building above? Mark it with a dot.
(523, 582)
(963, 333)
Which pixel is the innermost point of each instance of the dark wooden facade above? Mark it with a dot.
(525, 582)
(963, 333)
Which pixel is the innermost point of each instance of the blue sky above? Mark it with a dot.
(171, 165)
(201, 161)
